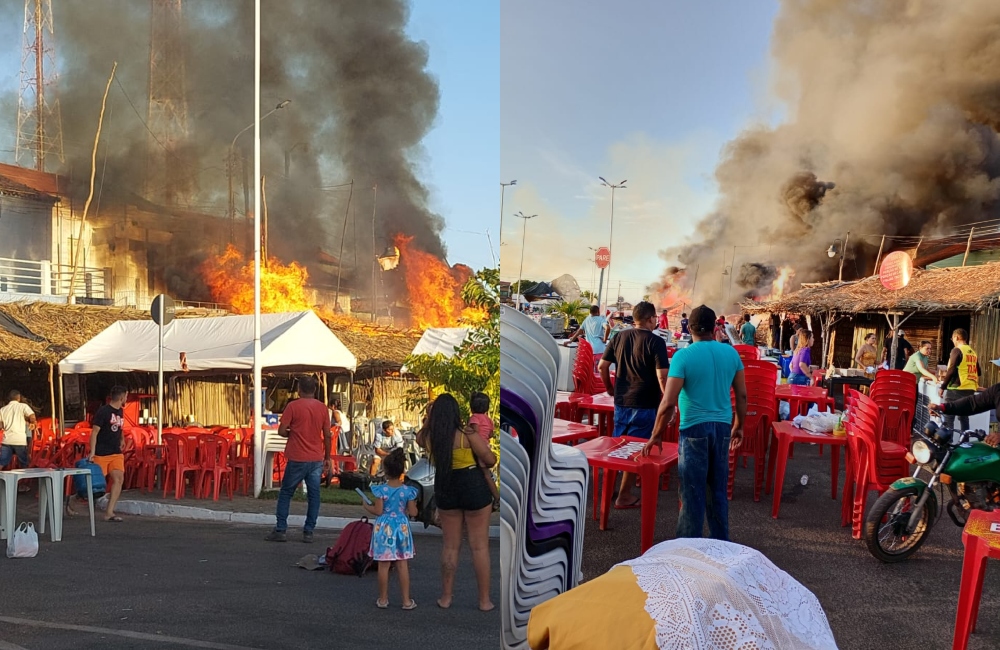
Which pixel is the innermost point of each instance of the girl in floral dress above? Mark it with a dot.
(392, 541)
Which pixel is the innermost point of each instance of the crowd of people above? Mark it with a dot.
(464, 488)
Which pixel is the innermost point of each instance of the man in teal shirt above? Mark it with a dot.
(595, 329)
(748, 332)
(699, 381)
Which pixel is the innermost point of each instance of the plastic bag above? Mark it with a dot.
(25, 541)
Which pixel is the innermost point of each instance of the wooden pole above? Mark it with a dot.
(916, 251)
(263, 216)
(93, 173)
(879, 258)
(62, 404)
(968, 245)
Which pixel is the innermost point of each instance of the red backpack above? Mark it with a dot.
(349, 555)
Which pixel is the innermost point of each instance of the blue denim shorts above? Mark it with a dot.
(637, 423)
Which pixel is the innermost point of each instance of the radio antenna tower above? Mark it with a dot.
(167, 113)
(39, 126)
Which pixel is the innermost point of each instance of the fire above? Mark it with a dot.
(230, 280)
(782, 282)
(435, 289)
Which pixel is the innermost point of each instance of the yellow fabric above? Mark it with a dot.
(607, 612)
(968, 375)
(461, 457)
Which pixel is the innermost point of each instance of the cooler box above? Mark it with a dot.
(786, 366)
(564, 375)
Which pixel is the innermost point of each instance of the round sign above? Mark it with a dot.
(896, 270)
(602, 257)
(169, 309)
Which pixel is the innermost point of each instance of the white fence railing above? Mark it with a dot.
(47, 279)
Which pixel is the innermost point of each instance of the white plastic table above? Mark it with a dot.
(67, 472)
(46, 499)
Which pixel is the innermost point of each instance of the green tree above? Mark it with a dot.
(578, 309)
(588, 295)
(515, 287)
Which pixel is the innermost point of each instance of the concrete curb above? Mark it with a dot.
(154, 509)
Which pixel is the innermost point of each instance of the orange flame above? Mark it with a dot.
(434, 288)
(782, 282)
(230, 280)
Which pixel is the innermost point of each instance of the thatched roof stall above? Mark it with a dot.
(933, 303)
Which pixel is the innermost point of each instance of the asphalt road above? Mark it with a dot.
(160, 583)
(869, 605)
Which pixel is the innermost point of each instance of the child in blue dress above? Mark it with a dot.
(392, 541)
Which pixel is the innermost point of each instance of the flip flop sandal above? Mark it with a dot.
(382, 604)
(632, 506)
(410, 605)
(116, 519)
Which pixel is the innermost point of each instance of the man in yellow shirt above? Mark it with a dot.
(962, 378)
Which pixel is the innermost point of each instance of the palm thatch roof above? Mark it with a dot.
(958, 289)
(60, 329)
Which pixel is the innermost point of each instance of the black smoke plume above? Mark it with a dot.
(892, 117)
(361, 102)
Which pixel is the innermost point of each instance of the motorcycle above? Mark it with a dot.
(421, 476)
(900, 520)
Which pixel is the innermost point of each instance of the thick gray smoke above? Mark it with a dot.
(361, 101)
(893, 112)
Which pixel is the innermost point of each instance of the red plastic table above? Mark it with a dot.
(797, 396)
(601, 406)
(565, 432)
(784, 435)
(649, 469)
(981, 538)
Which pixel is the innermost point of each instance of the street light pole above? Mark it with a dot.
(524, 237)
(611, 235)
(232, 159)
(503, 186)
(258, 402)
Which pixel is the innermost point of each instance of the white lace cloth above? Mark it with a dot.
(703, 594)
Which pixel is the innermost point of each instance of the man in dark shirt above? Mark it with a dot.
(962, 377)
(641, 362)
(903, 351)
(106, 446)
(979, 402)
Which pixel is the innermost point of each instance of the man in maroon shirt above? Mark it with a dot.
(306, 424)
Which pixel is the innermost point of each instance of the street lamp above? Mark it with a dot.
(232, 157)
(524, 236)
(611, 235)
(503, 186)
(834, 249)
(288, 154)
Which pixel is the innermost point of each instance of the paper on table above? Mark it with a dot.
(627, 450)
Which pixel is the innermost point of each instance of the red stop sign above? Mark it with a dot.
(602, 257)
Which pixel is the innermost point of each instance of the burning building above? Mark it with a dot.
(892, 130)
(172, 203)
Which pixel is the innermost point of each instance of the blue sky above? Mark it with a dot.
(649, 91)
(463, 159)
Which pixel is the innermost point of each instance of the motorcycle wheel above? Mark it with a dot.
(887, 520)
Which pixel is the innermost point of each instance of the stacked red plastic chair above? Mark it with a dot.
(747, 352)
(896, 392)
(585, 378)
(873, 464)
(761, 378)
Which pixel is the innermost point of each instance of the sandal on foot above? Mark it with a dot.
(116, 519)
(443, 606)
(629, 506)
(410, 605)
(382, 604)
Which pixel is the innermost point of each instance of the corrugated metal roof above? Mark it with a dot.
(38, 181)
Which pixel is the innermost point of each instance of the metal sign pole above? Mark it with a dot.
(159, 373)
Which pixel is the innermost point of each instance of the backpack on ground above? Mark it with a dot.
(349, 556)
(352, 480)
(97, 476)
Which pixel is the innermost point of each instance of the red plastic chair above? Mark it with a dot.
(213, 453)
(747, 352)
(241, 460)
(567, 411)
(981, 543)
(757, 425)
(178, 464)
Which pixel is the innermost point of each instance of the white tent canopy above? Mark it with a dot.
(297, 341)
(440, 340)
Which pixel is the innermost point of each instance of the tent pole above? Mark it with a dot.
(52, 393)
(62, 404)
(350, 405)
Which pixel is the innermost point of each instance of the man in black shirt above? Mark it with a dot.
(978, 402)
(903, 351)
(641, 363)
(106, 446)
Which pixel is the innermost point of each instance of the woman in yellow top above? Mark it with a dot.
(457, 451)
(867, 354)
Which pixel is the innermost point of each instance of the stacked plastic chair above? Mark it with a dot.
(747, 352)
(543, 486)
(896, 392)
(761, 379)
(585, 377)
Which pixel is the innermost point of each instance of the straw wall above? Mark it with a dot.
(985, 335)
